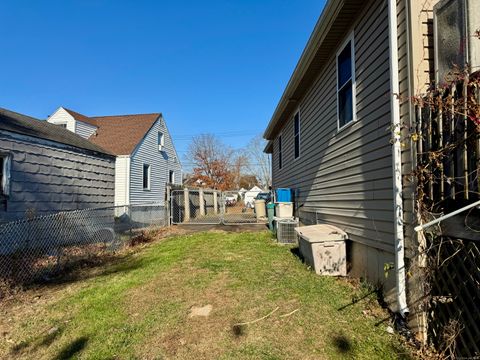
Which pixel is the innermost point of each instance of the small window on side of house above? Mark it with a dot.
(280, 152)
(296, 134)
(161, 141)
(171, 177)
(5, 161)
(62, 125)
(346, 84)
(146, 177)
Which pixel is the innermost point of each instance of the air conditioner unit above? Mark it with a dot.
(455, 24)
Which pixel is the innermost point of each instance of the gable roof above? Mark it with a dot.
(331, 28)
(119, 134)
(122, 133)
(26, 125)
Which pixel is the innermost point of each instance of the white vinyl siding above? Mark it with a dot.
(63, 118)
(122, 180)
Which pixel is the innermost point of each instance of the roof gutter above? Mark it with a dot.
(329, 13)
(400, 272)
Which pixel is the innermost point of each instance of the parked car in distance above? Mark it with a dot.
(230, 200)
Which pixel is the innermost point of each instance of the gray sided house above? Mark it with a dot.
(331, 135)
(146, 159)
(46, 169)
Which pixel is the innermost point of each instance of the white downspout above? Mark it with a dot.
(400, 273)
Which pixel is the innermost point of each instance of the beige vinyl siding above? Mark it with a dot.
(346, 176)
(122, 180)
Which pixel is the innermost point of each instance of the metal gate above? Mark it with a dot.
(212, 207)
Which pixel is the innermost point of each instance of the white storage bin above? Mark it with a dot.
(284, 210)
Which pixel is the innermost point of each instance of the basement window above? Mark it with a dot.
(346, 84)
(146, 177)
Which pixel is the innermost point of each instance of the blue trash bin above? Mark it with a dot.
(284, 195)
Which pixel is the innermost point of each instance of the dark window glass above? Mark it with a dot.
(345, 104)
(171, 177)
(296, 130)
(279, 152)
(146, 176)
(345, 65)
(1, 175)
(345, 86)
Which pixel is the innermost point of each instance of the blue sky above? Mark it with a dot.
(209, 66)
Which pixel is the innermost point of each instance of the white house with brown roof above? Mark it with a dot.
(146, 159)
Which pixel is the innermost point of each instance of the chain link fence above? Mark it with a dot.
(213, 207)
(38, 248)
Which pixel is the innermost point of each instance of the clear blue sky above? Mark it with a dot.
(208, 66)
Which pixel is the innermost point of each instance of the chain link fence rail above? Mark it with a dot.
(37, 248)
(201, 206)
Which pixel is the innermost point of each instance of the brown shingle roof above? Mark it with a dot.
(122, 133)
(119, 134)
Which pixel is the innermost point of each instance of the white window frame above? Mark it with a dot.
(280, 151)
(171, 176)
(149, 178)
(351, 39)
(6, 172)
(299, 134)
(161, 140)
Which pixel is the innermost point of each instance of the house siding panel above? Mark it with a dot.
(161, 163)
(345, 178)
(47, 177)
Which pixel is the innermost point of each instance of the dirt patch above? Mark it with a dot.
(203, 311)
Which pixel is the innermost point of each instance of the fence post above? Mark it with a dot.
(215, 202)
(167, 205)
(186, 199)
(202, 202)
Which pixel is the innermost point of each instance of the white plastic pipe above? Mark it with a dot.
(444, 217)
(400, 273)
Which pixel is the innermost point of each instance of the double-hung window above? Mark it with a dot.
(280, 152)
(296, 134)
(5, 161)
(146, 177)
(346, 84)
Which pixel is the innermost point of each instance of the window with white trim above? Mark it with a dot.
(296, 134)
(280, 152)
(5, 161)
(171, 177)
(161, 141)
(346, 84)
(146, 177)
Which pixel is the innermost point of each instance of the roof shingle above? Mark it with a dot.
(26, 125)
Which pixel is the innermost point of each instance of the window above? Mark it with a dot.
(161, 141)
(63, 125)
(346, 85)
(171, 177)
(5, 161)
(280, 152)
(146, 177)
(296, 133)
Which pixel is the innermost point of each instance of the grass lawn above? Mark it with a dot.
(141, 308)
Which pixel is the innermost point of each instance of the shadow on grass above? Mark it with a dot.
(342, 344)
(69, 350)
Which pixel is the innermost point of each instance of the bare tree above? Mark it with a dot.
(212, 162)
(260, 163)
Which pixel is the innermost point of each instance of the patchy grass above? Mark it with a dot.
(141, 307)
